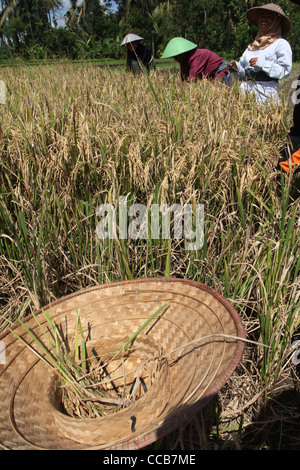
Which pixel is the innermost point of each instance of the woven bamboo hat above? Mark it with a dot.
(198, 333)
(253, 14)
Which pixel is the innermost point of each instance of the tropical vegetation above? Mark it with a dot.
(94, 29)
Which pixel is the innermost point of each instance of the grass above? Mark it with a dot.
(73, 138)
(107, 62)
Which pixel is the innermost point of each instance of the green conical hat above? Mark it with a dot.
(178, 46)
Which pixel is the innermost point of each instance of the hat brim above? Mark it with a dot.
(253, 13)
(129, 38)
(198, 335)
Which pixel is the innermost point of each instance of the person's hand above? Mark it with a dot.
(253, 61)
(232, 66)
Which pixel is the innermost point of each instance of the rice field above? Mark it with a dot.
(75, 137)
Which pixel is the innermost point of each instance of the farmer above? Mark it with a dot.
(196, 63)
(138, 55)
(268, 58)
(290, 152)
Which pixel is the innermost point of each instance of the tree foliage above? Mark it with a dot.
(92, 29)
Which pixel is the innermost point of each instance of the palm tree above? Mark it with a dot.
(145, 7)
(86, 18)
(27, 7)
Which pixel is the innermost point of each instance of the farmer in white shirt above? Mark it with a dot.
(268, 58)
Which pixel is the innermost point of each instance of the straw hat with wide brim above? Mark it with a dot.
(253, 14)
(198, 335)
(130, 38)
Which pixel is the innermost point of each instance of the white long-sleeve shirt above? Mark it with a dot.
(275, 60)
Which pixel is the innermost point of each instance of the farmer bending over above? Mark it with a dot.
(138, 55)
(196, 63)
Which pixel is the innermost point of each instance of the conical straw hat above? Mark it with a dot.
(198, 333)
(177, 46)
(253, 14)
(130, 38)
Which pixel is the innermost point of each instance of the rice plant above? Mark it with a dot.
(85, 387)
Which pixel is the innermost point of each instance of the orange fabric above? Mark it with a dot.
(290, 163)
